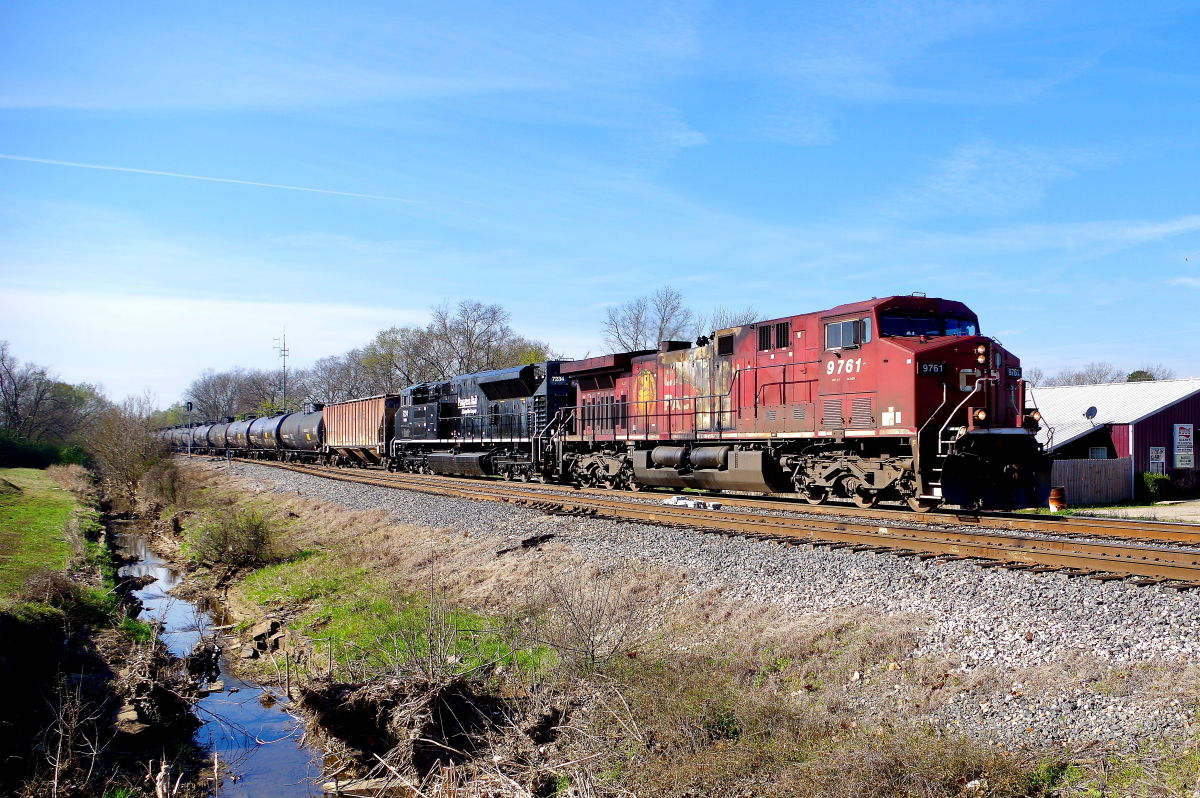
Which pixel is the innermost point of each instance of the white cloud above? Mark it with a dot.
(982, 178)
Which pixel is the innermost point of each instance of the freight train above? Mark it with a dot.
(900, 398)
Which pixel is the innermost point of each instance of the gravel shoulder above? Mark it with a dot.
(1030, 660)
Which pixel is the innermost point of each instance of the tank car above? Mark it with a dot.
(302, 437)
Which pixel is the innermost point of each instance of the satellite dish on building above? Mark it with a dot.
(1090, 413)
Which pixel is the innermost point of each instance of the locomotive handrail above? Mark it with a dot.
(974, 391)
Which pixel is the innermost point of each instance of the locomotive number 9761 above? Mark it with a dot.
(847, 366)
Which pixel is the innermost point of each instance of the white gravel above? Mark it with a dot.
(974, 618)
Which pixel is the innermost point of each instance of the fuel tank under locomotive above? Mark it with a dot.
(465, 464)
(710, 468)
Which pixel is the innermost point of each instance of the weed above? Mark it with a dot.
(137, 631)
(237, 536)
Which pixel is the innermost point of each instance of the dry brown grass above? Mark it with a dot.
(75, 479)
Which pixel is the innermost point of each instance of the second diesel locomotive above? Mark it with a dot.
(894, 398)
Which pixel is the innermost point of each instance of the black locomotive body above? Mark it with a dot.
(489, 423)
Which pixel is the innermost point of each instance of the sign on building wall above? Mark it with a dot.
(1184, 455)
(1158, 459)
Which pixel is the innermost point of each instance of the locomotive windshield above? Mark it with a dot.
(912, 324)
(901, 325)
(965, 325)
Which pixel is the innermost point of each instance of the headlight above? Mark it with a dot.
(981, 349)
(981, 358)
(1036, 415)
(981, 414)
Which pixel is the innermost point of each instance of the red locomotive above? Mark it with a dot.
(897, 398)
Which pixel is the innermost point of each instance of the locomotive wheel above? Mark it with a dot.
(866, 499)
(919, 505)
(815, 495)
(507, 475)
(523, 475)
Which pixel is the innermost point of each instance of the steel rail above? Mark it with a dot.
(1120, 528)
(1084, 557)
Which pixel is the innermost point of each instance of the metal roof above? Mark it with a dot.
(1063, 407)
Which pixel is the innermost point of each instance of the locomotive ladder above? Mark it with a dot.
(946, 437)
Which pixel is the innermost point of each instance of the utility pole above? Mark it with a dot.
(281, 345)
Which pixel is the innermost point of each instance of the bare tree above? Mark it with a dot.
(722, 318)
(37, 407)
(340, 377)
(644, 322)
(1089, 374)
(124, 445)
(398, 357)
(216, 395)
(261, 391)
(1035, 376)
(1151, 371)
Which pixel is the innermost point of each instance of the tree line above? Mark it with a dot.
(458, 339)
(1099, 373)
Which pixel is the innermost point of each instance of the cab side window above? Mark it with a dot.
(847, 334)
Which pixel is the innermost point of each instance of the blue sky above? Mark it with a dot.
(1036, 160)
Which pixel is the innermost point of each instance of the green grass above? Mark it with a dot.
(367, 623)
(1077, 507)
(137, 631)
(31, 527)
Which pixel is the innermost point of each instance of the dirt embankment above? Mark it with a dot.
(513, 664)
(96, 705)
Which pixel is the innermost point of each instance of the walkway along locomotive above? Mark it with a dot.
(894, 398)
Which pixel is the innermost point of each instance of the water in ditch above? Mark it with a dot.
(247, 726)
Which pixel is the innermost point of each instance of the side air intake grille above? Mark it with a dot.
(860, 414)
(770, 415)
(797, 414)
(832, 417)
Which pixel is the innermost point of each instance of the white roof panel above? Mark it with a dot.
(1063, 407)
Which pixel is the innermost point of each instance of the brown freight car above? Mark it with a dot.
(357, 432)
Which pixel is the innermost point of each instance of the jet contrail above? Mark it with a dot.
(199, 177)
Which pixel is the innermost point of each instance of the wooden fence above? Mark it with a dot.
(1094, 481)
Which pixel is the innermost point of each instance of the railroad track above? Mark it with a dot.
(1158, 553)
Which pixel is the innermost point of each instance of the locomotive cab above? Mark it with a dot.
(972, 443)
